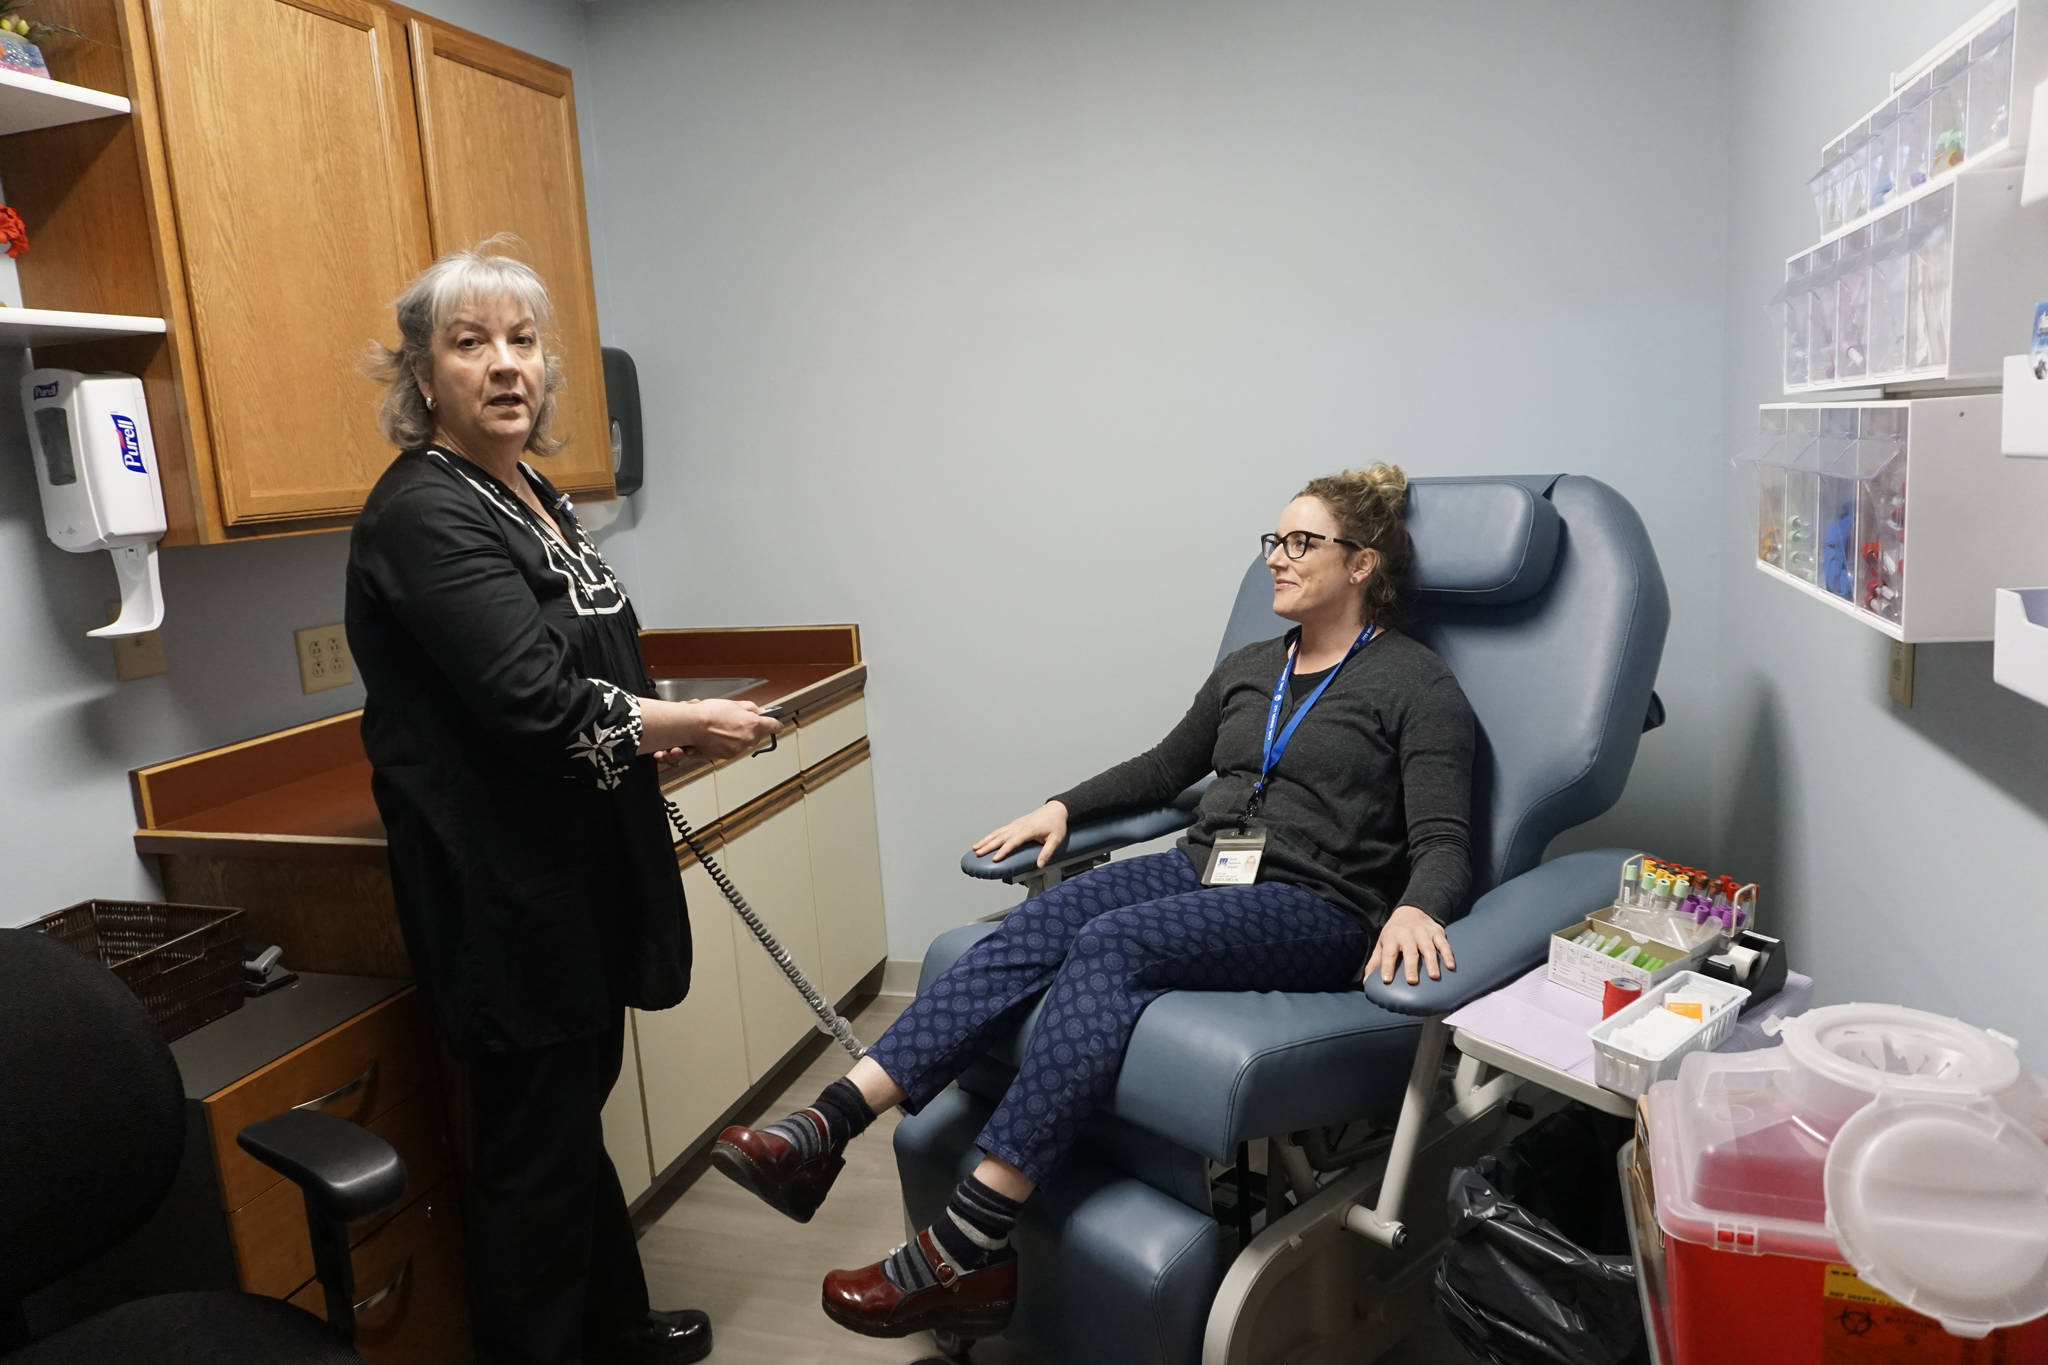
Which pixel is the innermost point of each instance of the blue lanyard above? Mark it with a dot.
(1277, 746)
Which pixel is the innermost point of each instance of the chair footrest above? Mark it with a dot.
(1109, 1268)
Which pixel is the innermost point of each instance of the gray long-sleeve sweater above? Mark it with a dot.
(1371, 806)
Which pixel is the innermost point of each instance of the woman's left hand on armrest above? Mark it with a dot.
(1411, 941)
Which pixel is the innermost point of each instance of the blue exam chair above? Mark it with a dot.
(1543, 595)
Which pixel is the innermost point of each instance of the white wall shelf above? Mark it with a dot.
(1903, 514)
(2019, 651)
(1920, 297)
(31, 102)
(1850, 609)
(1968, 101)
(2026, 409)
(49, 327)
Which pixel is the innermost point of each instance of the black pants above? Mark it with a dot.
(552, 1260)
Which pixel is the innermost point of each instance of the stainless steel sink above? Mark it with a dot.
(703, 689)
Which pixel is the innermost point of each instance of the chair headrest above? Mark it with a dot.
(1481, 541)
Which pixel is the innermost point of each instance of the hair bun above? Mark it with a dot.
(1389, 481)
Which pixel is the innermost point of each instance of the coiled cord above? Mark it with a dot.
(830, 1021)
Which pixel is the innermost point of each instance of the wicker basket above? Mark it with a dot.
(183, 962)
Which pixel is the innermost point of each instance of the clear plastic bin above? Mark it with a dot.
(1881, 512)
(1884, 181)
(1852, 306)
(1802, 494)
(1822, 311)
(1795, 304)
(1856, 179)
(1949, 113)
(1831, 186)
(1768, 455)
(1911, 135)
(1929, 239)
(1891, 269)
(1835, 498)
(1991, 85)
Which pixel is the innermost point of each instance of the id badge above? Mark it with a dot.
(1234, 859)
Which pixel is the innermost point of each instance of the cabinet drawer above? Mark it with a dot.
(821, 738)
(743, 779)
(412, 1304)
(356, 1071)
(274, 1251)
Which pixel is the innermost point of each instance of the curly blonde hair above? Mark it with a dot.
(1367, 504)
(460, 277)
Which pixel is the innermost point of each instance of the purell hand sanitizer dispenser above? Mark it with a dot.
(96, 467)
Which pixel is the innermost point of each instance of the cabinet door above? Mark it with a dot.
(693, 1058)
(846, 869)
(498, 129)
(771, 863)
(625, 1124)
(295, 172)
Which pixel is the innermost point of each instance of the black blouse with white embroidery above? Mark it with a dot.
(531, 859)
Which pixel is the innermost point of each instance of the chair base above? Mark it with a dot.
(1113, 1271)
(1310, 1290)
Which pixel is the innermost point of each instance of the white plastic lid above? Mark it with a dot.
(1889, 1049)
(1944, 1206)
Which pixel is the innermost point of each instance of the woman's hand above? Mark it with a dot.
(1047, 826)
(727, 729)
(715, 729)
(1412, 938)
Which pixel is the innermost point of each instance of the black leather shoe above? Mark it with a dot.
(674, 1338)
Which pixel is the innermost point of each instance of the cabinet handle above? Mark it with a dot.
(341, 1092)
(397, 1283)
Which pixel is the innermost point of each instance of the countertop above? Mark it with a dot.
(305, 792)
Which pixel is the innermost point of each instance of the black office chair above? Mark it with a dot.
(92, 1128)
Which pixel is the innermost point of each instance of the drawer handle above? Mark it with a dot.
(397, 1284)
(342, 1092)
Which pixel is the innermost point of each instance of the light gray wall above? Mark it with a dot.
(69, 732)
(1898, 848)
(1005, 329)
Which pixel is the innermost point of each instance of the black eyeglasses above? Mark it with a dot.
(1298, 543)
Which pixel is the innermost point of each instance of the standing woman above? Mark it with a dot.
(513, 736)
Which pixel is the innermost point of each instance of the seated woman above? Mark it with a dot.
(1340, 811)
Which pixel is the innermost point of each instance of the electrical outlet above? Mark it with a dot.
(137, 656)
(324, 660)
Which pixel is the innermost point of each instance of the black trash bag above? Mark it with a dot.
(1538, 1271)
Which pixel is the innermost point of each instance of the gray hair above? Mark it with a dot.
(459, 277)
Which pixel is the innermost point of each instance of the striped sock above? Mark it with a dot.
(974, 1233)
(839, 1116)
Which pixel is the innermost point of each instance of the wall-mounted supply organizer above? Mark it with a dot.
(2026, 408)
(2019, 648)
(1967, 101)
(1922, 294)
(1845, 489)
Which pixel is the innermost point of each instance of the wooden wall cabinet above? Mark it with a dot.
(288, 166)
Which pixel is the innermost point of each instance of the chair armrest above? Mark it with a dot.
(345, 1170)
(1508, 931)
(1104, 835)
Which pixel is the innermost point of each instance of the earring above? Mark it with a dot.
(430, 404)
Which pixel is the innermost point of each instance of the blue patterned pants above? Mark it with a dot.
(1100, 948)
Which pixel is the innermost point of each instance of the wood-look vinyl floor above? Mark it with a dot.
(757, 1273)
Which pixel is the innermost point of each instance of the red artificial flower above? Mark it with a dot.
(13, 231)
